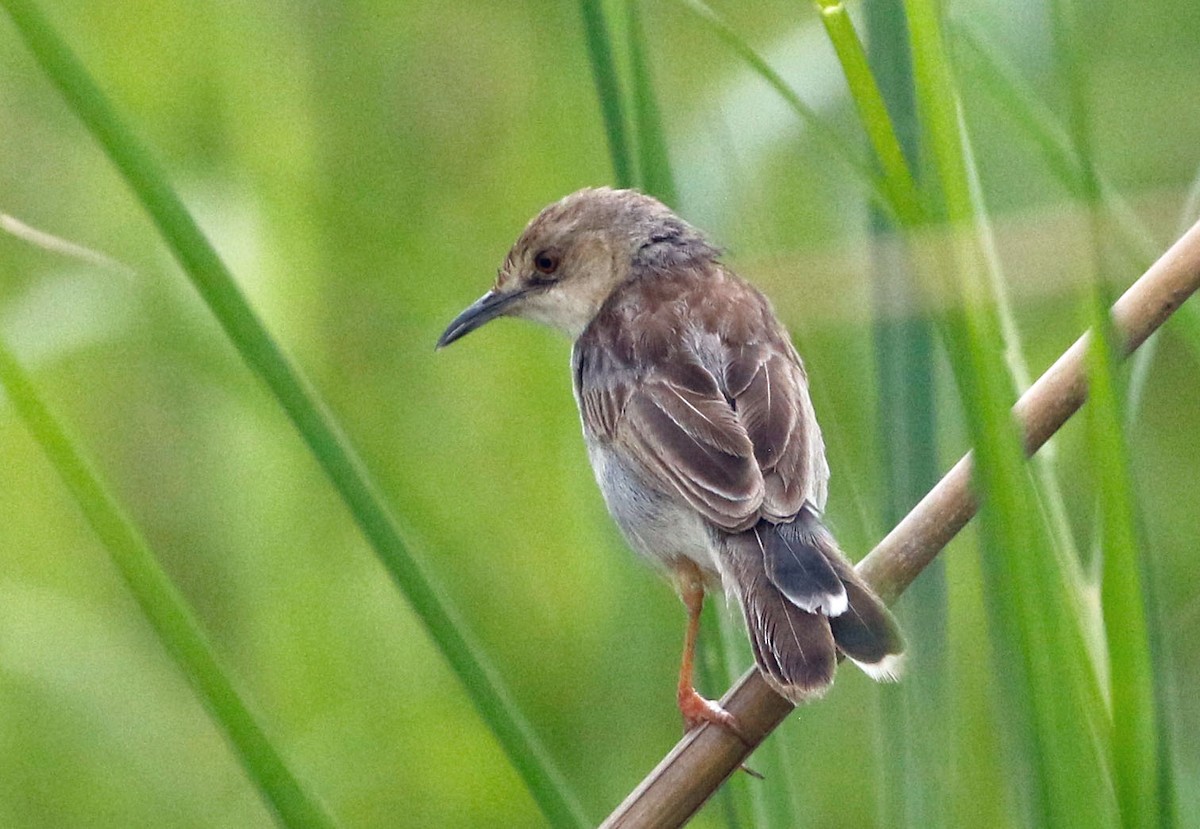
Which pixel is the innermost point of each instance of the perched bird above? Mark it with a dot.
(700, 430)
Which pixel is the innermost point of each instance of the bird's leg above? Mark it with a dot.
(696, 709)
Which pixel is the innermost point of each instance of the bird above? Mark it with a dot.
(701, 432)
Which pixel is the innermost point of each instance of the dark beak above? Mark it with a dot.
(485, 309)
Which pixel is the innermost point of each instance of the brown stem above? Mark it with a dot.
(704, 758)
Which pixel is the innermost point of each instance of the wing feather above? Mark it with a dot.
(698, 447)
(717, 413)
(770, 392)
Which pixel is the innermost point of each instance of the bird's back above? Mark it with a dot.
(689, 374)
(699, 425)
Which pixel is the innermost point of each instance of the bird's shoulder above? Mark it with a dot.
(650, 320)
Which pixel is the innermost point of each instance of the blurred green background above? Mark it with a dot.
(363, 167)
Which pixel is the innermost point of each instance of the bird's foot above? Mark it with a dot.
(697, 711)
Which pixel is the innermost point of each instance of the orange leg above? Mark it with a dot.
(696, 709)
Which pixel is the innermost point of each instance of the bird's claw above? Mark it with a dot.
(697, 711)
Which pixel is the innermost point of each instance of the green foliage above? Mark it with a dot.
(362, 168)
(328, 445)
(167, 611)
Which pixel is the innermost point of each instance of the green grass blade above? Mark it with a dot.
(1134, 742)
(654, 163)
(1054, 707)
(836, 145)
(716, 669)
(872, 113)
(914, 726)
(1131, 670)
(317, 428)
(1002, 82)
(1050, 495)
(608, 90)
(167, 611)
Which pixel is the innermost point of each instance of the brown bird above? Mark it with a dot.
(699, 427)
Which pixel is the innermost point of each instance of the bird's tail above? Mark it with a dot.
(803, 602)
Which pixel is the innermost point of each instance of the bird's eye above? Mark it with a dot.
(546, 262)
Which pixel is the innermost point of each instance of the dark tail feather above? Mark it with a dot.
(798, 567)
(794, 649)
(866, 632)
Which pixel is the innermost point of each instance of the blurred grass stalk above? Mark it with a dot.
(999, 79)
(901, 189)
(1135, 730)
(836, 145)
(608, 91)
(1131, 675)
(328, 444)
(167, 611)
(1054, 715)
(915, 723)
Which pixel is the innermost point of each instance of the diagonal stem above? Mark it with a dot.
(704, 758)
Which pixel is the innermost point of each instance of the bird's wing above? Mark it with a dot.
(672, 421)
(708, 397)
(767, 385)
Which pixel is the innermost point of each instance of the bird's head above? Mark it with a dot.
(574, 253)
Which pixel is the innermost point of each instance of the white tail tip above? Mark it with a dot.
(826, 604)
(888, 669)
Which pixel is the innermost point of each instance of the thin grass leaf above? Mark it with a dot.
(716, 670)
(167, 611)
(836, 145)
(998, 78)
(63, 247)
(1052, 699)
(1139, 377)
(608, 90)
(324, 439)
(1131, 670)
(1050, 495)
(654, 163)
(873, 113)
(914, 763)
(1134, 741)
(1001, 80)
